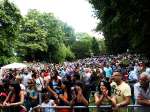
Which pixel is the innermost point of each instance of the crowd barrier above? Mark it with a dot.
(129, 108)
(39, 108)
(92, 107)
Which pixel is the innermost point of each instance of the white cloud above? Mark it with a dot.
(77, 13)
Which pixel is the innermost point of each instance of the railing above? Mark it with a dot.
(92, 107)
(39, 108)
(129, 108)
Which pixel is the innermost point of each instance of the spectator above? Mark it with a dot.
(133, 75)
(65, 97)
(148, 70)
(133, 78)
(47, 103)
(39, 82)
(121, 91)
(26, 76)
(103, 97)
(108, 71)
(142, 91)
(47, 77)
(3, 96)
(55, 84)
(79, 97)
(86, 79)
(32, 95)
(15, 99)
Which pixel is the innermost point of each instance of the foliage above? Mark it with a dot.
(82, 47)
(62, 54)
(7, 60)
(69, 54)
(102, 46)
(125, 24)
(69, 34)
(95, 47)
(52, 48)
(40, 37)
(32, 38)
(10, 19)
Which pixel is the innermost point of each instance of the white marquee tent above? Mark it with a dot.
(14, 65)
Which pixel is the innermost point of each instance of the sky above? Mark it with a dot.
(76, 13)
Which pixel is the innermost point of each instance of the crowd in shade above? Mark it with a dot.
(113, 80)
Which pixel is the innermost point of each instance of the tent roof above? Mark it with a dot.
(14, 65)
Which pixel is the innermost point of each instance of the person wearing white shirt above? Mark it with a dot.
(142, 92)
(47, 104)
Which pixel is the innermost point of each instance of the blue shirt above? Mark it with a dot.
(108, 71)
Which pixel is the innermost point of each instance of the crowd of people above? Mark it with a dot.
(116, 81)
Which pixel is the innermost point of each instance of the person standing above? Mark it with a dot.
(15, 99)
(78, 98)
(103, 97)
(142, 92)
(121, 92)
(108, 71)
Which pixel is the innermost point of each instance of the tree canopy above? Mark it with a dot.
(125, 24)
(40, 36)
(10, 19)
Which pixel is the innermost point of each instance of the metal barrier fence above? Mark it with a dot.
(129, 108)
(92, 107)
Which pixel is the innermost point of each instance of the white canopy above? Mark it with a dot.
(14, 65)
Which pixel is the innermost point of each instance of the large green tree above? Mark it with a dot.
(83, 46)
(54, 37)
(32, 40)
(95, 47)
(102, 46)
(70, 36)
(125, 24)
(10, 19)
